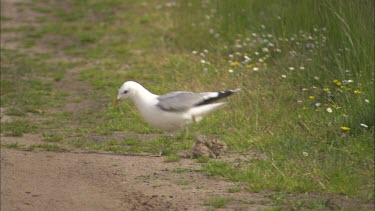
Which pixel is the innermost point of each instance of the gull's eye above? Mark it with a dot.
(125, 91)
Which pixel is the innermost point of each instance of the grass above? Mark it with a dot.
(234, 189)
(53, 137)
(172, 158)
(23, 85)
(180, 170)
(17, 127)
(217, 202)
(183, 182)
(305, 69)
(12, 145)
(44, 146)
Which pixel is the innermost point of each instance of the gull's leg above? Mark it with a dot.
(186, 133)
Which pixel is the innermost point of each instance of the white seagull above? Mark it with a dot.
(172, 111)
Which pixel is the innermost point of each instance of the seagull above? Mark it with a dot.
(172, 111)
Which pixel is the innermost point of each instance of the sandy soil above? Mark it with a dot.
(91, 181)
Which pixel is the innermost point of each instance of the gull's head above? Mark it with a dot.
(128, 90)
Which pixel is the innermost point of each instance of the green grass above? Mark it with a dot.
(44, 146)
(293, 60)
(180, 170)
(183, 182)
(172, 158)
(52, 137)
(12, 145)
(17, 127)
(284, 109)
(234, 189)
(24, 84)
(217, 202)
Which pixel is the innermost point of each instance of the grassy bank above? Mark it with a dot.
(307, 69)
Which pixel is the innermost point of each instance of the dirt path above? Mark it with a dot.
(84, 181)
(78, 180)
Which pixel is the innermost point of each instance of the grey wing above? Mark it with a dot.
(181, 100)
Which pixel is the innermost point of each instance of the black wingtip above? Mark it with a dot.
(220, 95)
(227, 93)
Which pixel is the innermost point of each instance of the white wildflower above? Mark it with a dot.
(255, 68)
(291, 68)
(347, 81)
(283, 76)
(367, 101)
(230, 70)
(302, 67)
(364, 125)
(316, 77)
(194, 52)
(329, 110)
(305, 154)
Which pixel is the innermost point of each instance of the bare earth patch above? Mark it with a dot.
(92, 181)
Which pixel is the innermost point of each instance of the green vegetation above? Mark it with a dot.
(11, 145)
(308, 99)
(17, 127)
(26, 83)
(44, 146)
(172, 158)
(217, 202)
(180, 170)
(52, 137)
(305, 69)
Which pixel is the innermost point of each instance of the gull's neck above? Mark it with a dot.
(143, 97)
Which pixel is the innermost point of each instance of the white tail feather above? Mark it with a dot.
(201, 111)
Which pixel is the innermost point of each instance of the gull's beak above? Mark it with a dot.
(116, 101)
